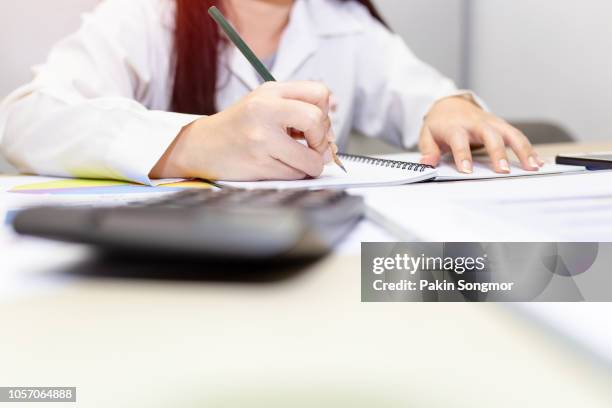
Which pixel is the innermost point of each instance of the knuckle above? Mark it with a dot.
(524, 143)
(477, 118)
(487, 131)
(315, 116)
(493, 138)
(255, 105)
(517, 135)
(321, 91)
(499, 122)
(324, 92)
(519, 141)
(456, 136)
(256, 142)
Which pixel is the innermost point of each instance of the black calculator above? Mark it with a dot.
(227, 224)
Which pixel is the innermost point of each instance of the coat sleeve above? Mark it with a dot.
(84, 113)
(395, 90)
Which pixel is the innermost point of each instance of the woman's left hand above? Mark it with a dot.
(457, 125)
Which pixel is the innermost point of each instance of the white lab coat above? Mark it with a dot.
(99, 106)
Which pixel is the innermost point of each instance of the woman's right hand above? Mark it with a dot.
(250, 140)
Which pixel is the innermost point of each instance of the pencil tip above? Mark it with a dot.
(337, 159)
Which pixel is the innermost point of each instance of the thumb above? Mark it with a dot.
(430, 151)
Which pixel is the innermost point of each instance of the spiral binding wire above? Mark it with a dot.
(394, 164)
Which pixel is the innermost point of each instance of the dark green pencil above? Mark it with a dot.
(253, 60)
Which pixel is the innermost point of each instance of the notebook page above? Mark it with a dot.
(358, 175)
(482, 168)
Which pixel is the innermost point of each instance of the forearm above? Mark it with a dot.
(99, 138)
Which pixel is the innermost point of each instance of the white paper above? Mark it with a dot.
(586, 324)
(447, 170)
(568, 207)
(365, 231)
(24, 262)
(31, 267)
(358, 175)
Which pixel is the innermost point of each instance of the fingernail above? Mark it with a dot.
(327, 156)
(540, 161)
(504, 166)
(467, 166)
(533, 162)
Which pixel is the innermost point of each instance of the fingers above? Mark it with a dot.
(459, 144)
(311, 92)
(430, 152)
(297, 156)
(284, 112)
(496, 148)
(308, 119)
(522, 147)
(305, 108)
(459, 125)
(278, 170)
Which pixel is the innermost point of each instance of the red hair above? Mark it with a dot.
(196, 47)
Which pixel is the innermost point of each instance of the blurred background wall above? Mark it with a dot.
(28, 29)
(547, 59)
(433, 29)
(530, 60)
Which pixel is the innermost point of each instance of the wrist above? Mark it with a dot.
(174, 162)
(462, 99)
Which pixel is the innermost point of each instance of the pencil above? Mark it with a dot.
(254, 61)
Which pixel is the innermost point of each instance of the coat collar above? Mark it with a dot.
(309, 23)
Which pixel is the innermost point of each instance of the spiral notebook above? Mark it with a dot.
(362, 171)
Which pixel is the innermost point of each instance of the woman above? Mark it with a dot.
(150, 89)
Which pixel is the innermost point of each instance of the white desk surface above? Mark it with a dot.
(302, 341)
